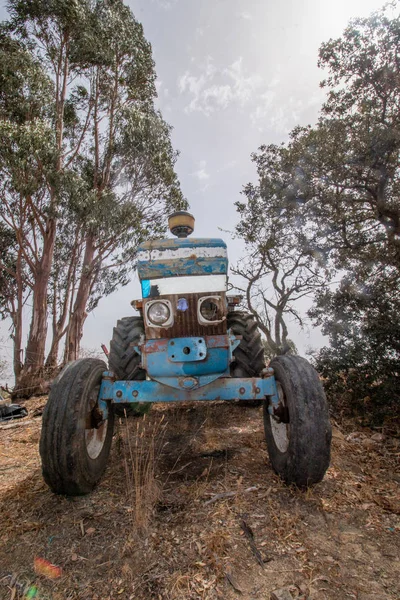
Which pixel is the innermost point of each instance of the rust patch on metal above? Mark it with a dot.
(186, 323)
(217, 341)
(158, 345)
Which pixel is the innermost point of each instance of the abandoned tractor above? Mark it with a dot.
(190, 343)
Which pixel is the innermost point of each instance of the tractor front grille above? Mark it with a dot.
(186, 323)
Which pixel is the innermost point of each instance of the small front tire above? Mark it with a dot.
(299, 437)
(74, 446)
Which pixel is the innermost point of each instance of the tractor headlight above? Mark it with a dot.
(210, 310)
(159, 313)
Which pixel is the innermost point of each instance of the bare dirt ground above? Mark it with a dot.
(189, 508)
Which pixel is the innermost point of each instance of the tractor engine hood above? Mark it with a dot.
(174, 266)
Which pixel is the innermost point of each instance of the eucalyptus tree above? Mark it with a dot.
(100, 157)
(129, 167)
(27, 153)
(49, 32)
(12, 290)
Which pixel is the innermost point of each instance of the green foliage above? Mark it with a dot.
(86, 162)
(327, 204)
(7, 270)
(25, 89)
(361, 190)
(361, 367)
(361, 119)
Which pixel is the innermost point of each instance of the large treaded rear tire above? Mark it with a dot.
(124, 361)
(299, 449)
(74, 454)
(249, 355)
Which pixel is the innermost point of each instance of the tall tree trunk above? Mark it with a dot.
(30, 378)
(17, 319)
(52, 357)
(66, 292)
(79, 314)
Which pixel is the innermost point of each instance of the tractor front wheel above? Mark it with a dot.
(299, 433)
(75, 444)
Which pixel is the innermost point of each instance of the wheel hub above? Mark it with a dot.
(96, 428)
(280, 422)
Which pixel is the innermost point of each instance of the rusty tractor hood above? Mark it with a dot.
(182, 257)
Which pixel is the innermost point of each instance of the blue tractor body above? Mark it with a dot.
(188, 356)
(188, 344)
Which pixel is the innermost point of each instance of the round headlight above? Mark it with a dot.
(158, 313)
(209, 310)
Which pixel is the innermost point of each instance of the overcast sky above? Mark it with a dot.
(232, 75)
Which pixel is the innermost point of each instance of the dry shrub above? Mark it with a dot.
(141, 458)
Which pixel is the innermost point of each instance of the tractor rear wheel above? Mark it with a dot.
(299, 435)
(249, 355)
(74, 444)
(124, 361)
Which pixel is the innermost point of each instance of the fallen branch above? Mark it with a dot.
(247, 530)
(220, 497)
(19, 424)
(229, 495)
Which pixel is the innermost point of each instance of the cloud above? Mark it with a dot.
(165, 4)
(201, 173)
(245, 16)
(280, 111)
(243, 87)
(270, 104)
(214, 89)
(228, 166)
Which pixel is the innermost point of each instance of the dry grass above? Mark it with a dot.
(141, 458)
(190, 509)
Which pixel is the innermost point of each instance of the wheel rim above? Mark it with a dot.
(280, 431)
(94, 437)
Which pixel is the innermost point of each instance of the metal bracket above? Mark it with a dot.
(187, 349)
(274, 406)
(223, 388)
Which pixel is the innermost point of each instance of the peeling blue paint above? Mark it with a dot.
(175, 243)
(182, 266)
(208, 358)
(225, 388)
(146, 288)
(161, 364)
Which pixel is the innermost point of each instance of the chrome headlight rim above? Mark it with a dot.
(169, 314)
